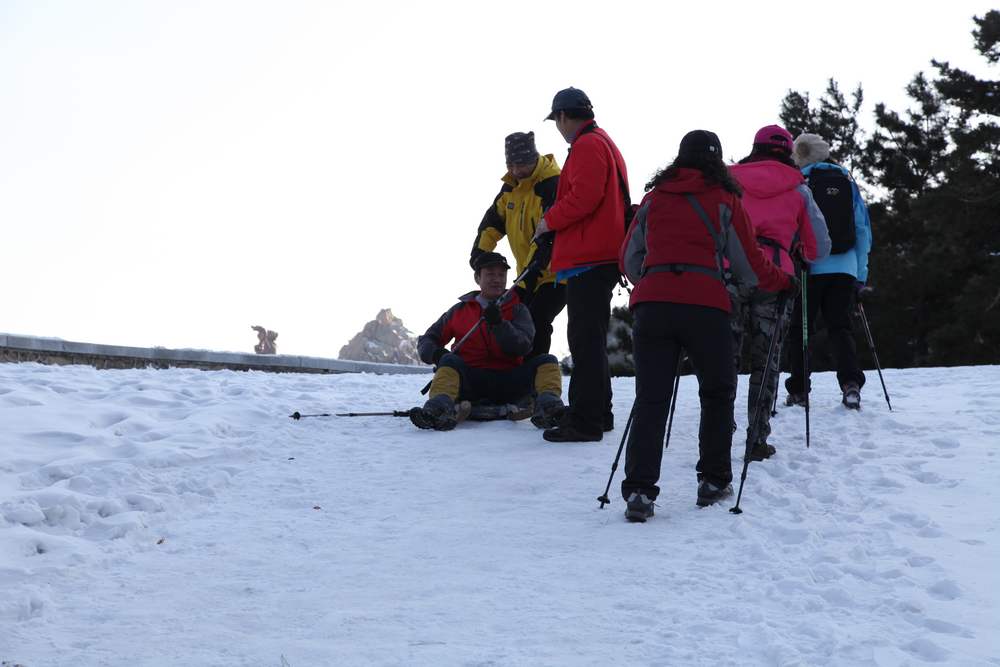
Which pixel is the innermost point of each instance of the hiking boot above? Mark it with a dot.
(795, 399)
(639, 507)
(549, 410)
(440, 413)
(852, 396)
(761, 451)
(567, 431)
(709, 494)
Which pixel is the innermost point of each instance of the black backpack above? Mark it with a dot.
(834, 195)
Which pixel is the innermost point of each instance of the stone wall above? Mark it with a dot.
(20, 349)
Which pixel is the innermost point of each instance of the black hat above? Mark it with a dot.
(698, 142)
(489, 259)
(520, 148)
(569, 98)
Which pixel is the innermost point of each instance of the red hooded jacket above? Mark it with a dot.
(783, 212)
(670, 255)
(589, 213)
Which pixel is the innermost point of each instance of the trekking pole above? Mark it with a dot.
(805, 346)
(774, 405)
(755, 421)
(540, 260)
(604, 500)
(395, 413)
(871, 344)
(673, 400)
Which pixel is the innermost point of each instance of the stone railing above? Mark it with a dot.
(55, 351)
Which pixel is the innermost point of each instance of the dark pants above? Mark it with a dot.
(545, 303)
(755, 316)
(660, 332)
(496, 386)
(588, 305)
(833, 294)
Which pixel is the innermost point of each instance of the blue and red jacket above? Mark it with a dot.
(498, 347)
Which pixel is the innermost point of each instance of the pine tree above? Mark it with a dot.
(933, 173)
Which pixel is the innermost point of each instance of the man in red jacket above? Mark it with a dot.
(588, 219)
(489, 366)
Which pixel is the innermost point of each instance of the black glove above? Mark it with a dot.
(794, 284)
(438, 353)
(492, 314)
(543, 252)
(861, 290)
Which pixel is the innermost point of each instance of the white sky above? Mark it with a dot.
(173, 172)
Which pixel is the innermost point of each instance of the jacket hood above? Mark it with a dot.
(767, 178)
(687, 180)
(545, 168)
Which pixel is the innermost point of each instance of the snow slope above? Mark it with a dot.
(180, 518)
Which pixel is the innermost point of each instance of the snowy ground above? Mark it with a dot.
(180, 518)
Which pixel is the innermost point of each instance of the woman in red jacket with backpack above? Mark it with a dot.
(689, 223)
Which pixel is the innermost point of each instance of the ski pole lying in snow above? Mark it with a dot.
(871, 344)
(755, 421)
(395, 413)
(540, 260)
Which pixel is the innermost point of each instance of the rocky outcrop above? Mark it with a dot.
(384, 340)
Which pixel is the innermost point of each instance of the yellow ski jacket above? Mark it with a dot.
(515, 214)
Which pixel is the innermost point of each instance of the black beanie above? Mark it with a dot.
(520, 148)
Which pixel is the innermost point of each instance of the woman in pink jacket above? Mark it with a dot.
(789, 226)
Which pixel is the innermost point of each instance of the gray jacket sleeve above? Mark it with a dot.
(516, 335)
(431, 341)
(818, 224)
(739, 264)
(635, 247)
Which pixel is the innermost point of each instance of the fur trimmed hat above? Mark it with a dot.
(809, 148)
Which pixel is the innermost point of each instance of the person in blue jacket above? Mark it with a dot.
(834, 282)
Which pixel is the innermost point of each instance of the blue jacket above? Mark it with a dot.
(855, 261)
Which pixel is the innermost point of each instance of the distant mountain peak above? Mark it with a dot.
(384, 340)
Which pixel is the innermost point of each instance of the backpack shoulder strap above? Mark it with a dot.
(716, 236)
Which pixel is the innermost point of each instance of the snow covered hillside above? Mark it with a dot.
(180, 518)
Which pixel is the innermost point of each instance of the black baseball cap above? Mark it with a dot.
(489, 259)
(699, 142)
(569, 98)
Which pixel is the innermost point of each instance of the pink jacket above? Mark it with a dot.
(783, 212)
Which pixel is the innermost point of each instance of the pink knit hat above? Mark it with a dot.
(774, 135)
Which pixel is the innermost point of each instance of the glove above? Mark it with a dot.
(861, 290)
(543, 251)
(438, 353)
(794, 284)
(492, 314)
(541, 228)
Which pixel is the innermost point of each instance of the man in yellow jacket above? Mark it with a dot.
(529, 189)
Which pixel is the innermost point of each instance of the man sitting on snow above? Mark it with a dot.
(489, 365)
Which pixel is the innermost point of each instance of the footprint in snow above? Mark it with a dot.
(946, 443)
(109, 419)
(926, 650)
(945, 589)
